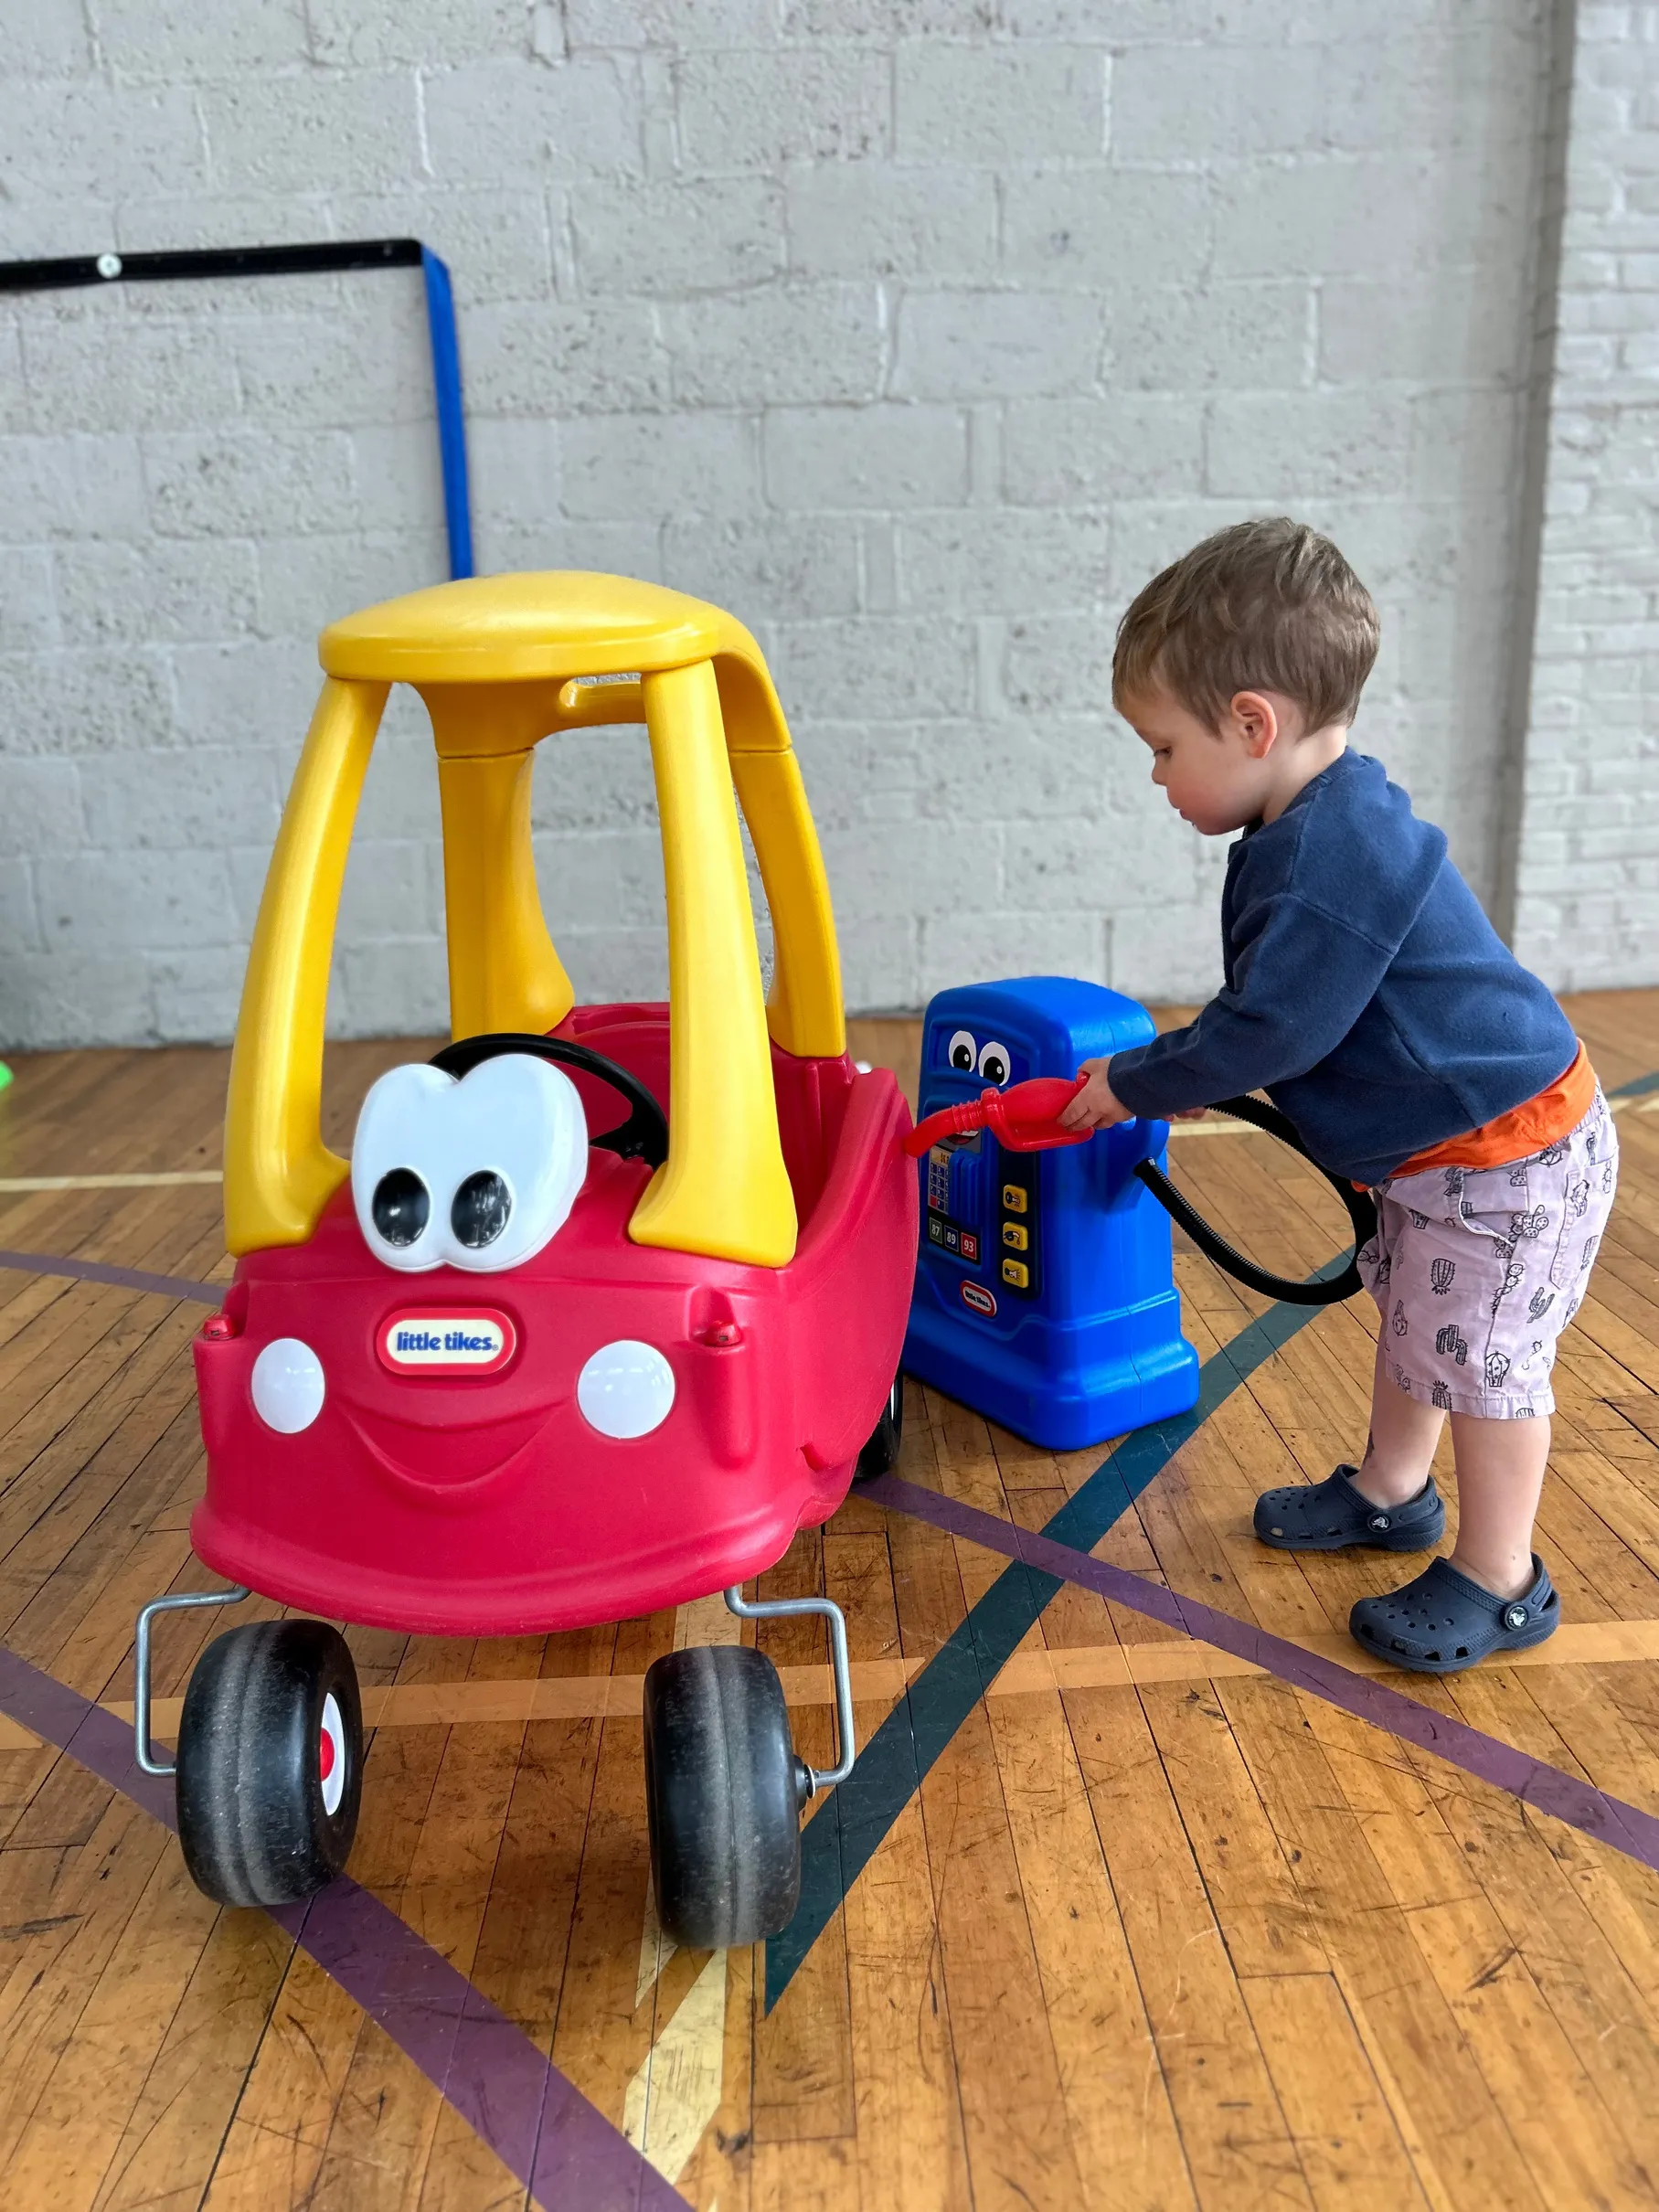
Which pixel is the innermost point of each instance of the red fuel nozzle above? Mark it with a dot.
(1024, 1119)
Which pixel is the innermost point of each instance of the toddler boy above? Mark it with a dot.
(1369, 996)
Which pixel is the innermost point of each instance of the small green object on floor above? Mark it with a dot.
(6, 1075)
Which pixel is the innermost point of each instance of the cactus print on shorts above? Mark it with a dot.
(1476, 1270)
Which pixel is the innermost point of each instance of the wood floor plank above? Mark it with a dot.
(524, 1940)
(167, 2150)
(87, 2104)
(1462, 2149)
(1263, 1915)
(81, 1912)
(1236, 2141)
(802, 2048)
(910, 2151)
(805, 2177)
(1551, 2108)
(1348, 2142)
(272, 2149)
(1008, 2072)
(600, 2034)
(1118, 2117)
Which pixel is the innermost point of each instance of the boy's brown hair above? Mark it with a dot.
(1268, 605)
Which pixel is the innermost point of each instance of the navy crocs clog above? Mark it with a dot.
(1443, 1622)
(1333, 1514)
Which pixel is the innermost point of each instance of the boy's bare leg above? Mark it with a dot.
(1499, 1472)
(1404, 1432)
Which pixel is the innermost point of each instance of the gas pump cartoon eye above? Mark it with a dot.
(994, 1064)
(962, 1052)
(477, 1173)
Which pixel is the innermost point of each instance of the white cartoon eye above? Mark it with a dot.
(962, 1052)
(993, 1063)
(477, 1173)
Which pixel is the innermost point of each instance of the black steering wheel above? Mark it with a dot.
(1362, 1213)
(643, 1136)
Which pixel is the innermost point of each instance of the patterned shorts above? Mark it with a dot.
(1476, 1270)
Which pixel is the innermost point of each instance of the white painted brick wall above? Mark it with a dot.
(1587, 872)
(919, 332)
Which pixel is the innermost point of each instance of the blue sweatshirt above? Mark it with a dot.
(1366, 993)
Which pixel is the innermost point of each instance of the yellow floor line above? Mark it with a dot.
(32, 1183)
(704, 1621)
(656, 1948)
(1219, 1127)
(1090, 1666)
(676, 2091)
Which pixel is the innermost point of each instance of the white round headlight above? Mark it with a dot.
(288, 1386)
(625, 1390)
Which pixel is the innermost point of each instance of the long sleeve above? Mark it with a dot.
(1301, 977)
(1366, 991)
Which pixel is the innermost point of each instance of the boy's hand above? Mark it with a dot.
(1187, 1113)
(1095, 1106)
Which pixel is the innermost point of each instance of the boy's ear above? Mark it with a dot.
(1256, 720)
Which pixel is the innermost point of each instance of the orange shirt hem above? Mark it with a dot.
(1554, 1114)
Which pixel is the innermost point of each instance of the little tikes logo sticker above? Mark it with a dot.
(976, 1295)
(447, 1343)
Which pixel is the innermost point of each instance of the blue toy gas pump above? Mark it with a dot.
(1044, 1291)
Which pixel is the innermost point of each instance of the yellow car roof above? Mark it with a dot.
(505, 629)
(496, 659)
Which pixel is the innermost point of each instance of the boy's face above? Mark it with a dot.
(1218, 780)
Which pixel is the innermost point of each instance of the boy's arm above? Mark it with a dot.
(1300, 982)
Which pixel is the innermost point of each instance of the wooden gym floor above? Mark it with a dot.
(1156, 1930)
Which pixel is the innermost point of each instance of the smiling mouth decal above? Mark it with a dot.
(448, 1456)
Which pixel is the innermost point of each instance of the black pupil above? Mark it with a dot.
(993, 1070)
(401, 1205)
(961, 1056)
(481, 1209)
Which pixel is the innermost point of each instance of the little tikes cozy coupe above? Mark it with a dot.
(544, 1354)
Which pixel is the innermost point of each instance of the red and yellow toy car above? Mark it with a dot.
(609, 1300)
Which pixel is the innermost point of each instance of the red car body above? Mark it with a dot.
(480, 1502)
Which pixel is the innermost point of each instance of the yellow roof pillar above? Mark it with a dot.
(279, 1174)
(723, 1188)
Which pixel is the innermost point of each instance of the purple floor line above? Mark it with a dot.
(1591, 1811)
(537, 2122)
(123, 1278)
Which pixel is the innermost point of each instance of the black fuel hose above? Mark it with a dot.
(1362, 1213)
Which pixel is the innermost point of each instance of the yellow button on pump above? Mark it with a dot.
(1015, 1236)
(1017, 1273)
(1014, 1198)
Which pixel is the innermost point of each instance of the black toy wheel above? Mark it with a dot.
(723, 1793)
(270, 1762)
(880, 1455)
